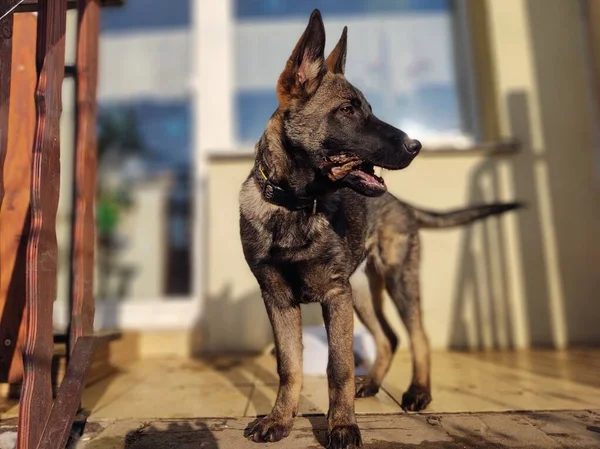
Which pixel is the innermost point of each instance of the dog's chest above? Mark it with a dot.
(310, 238)
(333, 238)
(316, 280)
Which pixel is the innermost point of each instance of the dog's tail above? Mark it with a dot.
(431, 219)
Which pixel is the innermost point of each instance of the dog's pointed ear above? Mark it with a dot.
(336, 61)
(306, 65)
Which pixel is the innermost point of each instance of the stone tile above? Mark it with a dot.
(108, 390)
(507, 429)
(221, 370)
(265, 370)
(146, 401)
(470, 383)
(568, 428)
(315, 400)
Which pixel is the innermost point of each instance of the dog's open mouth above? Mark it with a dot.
(354, 171)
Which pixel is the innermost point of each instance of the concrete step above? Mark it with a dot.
(540, 430)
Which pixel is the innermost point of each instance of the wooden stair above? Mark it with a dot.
(100, 368)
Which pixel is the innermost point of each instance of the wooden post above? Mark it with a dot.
(14, 210)
(58, 425)
(6, 31)
(84, 187)
(36, 395)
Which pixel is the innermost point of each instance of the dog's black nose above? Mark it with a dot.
(413, 146)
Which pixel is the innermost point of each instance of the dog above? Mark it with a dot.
(312, 210)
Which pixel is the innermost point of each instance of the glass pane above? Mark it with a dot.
(401, 54)
(145, 151)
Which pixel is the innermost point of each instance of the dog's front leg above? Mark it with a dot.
(339, 322)
(286, 321)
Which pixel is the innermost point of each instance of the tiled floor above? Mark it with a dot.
(246, 387)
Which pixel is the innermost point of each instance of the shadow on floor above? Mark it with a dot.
(175, 435)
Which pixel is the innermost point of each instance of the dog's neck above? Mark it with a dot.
(284, 166)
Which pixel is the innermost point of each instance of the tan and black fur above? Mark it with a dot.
(304, 245)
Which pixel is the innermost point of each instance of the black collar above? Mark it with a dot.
(281, 197)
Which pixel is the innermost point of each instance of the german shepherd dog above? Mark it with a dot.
(311, 211)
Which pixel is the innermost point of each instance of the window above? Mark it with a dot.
(145, 151)
(401, 53)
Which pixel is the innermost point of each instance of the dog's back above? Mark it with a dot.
(393, 223)
(388, 209)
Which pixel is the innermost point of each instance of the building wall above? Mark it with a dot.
(544, 98)
(524, 279)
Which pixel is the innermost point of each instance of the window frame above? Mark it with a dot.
(217, 82)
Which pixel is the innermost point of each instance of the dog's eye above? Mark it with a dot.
(347, 110)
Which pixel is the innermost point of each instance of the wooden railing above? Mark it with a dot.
(45, 421)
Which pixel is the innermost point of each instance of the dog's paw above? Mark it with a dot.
(268, 430)
(416, 398)
(365, 388)
(345, 437)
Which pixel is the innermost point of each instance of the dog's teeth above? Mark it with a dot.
(380, 172)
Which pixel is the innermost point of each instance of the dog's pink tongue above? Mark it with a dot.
(369, 180)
